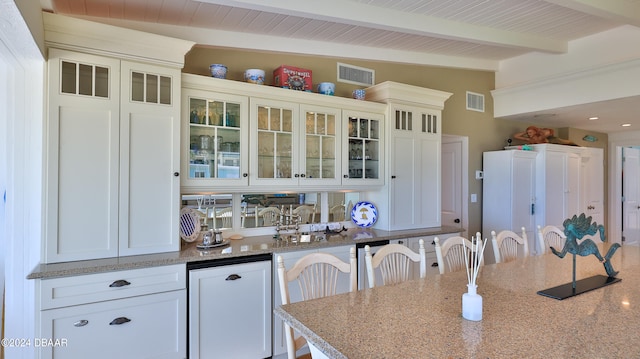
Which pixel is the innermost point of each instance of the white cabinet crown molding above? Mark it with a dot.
(400, 93)
(101, 39)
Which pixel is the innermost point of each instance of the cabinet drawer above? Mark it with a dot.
(154, 327)
(62, 292)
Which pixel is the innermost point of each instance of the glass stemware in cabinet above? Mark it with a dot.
(274, 142)
(214, 139)
(364, 148)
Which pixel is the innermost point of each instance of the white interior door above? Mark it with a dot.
(451, 199)
(631, 195)
(454, 182)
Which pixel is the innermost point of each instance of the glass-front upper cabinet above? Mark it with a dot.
(363, 148)
(320, 144)
(216, 131)
(296, 144)
(274, 155)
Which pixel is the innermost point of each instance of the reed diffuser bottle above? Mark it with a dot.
(472, 304)
(472, 301)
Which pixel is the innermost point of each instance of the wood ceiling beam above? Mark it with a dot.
(349, 12)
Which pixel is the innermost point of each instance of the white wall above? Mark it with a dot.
(21, 176)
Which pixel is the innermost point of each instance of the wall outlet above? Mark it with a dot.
(474, 198)
(479, 175)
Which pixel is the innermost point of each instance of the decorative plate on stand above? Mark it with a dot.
(189, 224)
(364, 214)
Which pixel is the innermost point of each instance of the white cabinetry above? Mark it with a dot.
(509, 193)
(557, 183)
(290, 258)
(230, 311)
(215, 151)
(286, 139)
(569, 181)
(411, 196)
(128, 314)
(430, 251)
(113, 140)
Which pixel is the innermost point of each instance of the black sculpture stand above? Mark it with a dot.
(574, 288)
(569, 290)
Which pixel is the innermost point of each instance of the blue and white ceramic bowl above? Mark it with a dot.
(254, 76)
(218, 71)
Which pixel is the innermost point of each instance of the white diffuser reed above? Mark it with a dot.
(472, 301)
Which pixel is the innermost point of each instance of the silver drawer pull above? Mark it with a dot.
(120, 320)
(81, 323)
(233, 277)
(119, 283)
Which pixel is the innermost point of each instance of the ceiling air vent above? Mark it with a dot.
(356, 75)
(475, 101)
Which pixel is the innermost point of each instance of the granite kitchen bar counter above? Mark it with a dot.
(422, 318)
(248, 246)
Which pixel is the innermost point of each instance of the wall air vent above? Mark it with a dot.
(356, 75)
(475, 101)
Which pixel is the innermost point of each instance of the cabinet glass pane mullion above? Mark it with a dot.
(214, 148)
(364, 149)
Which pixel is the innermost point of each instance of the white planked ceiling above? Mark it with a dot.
(474, 34)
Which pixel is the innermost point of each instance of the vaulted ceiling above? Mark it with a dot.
(474, 34)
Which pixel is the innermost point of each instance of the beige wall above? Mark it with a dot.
(484, 132)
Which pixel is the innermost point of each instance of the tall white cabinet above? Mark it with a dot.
(411, 195)
(569, 180)
(558, 183)
(509, 193)
(113, 136)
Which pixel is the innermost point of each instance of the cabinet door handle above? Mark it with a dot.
(296, 175)
(434, 264)
(393, 177)
(245, 174)
(233, 277)
(119, 283)
(303, 175)
(345, 176)
(81, 323)
(120, 320)
(176, 174)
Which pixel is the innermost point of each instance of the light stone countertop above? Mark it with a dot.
(248, 246)
(422, 318)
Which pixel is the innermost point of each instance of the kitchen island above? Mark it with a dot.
(422, 318)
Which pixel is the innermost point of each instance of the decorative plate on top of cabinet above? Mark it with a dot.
(364, 214)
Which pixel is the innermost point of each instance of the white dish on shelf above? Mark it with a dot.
(364, 214)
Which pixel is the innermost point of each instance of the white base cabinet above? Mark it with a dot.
(230, 311)
(140, 327)
(127, 314)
